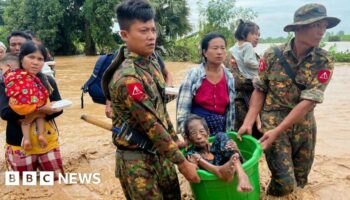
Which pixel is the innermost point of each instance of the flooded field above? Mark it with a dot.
(86, 148)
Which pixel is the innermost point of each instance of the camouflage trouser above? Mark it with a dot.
(241, 110)
(291, 156)
(145, 176)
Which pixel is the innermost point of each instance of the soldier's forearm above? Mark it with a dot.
(165, 144)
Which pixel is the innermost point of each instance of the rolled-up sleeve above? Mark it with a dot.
(319, 83)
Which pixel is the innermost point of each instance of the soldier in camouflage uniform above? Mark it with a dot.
(287, 105)
(147, 149)
(244, 89)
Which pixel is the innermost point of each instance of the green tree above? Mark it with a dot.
(64, 24)
(334, 38)
(222, 16)
(88, 23)
(171, 20)
(41, 17)
(3, 4)
(73, 26)
(98, 22)
(3, 31)
(70, 28)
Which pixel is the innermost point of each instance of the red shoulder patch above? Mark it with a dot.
(136, 91)
(262, 65)
(323, 75)
(233, 61)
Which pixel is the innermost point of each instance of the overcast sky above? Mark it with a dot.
(273, 15)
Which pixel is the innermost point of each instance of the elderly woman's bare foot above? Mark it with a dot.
(244, 184)
(226, 171)
(243, 180)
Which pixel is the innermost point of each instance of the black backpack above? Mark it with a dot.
(93, 85)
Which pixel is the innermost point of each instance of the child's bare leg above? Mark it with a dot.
(27, 145)
(243, 180)
(40, 123)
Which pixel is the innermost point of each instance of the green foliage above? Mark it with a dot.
(342, 57)
(185, 49)
(340, 36)
(98, 16)
(41, 17)
(3, 4)
(68, 26)
(172, 23)
(222, 16)
(217, 16)
(88, 22)
(339, 56)
(332, 50)
(334, 38)
(290, 35)
(273, 40)
(63, 24)
(345, 37)
(3, 34)
(171, 20)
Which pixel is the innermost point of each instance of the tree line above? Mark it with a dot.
(69, 27)
(328, 37)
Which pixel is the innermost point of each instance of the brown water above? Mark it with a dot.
(86, 148)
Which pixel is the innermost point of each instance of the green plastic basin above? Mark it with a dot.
(211, 187)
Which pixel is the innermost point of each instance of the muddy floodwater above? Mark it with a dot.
(88, 149)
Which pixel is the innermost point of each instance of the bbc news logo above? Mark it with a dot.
(47, 178)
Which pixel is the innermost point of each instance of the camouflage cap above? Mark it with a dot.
(311, 13)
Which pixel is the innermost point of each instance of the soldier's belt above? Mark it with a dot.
(132, 155)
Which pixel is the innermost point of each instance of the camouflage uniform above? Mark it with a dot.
(241, 84)
(291, 155)
(136, 91)
(244, 88)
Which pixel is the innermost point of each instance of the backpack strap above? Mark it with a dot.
(97, 68)
(160, 61)
(101, 60)
(108, 74)
(283, 62)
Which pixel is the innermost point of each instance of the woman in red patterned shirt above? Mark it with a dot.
(208, 90)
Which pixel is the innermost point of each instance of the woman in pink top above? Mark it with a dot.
(208, 89)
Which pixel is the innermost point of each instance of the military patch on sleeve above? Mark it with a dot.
(262, 65)
(323, 75)
(233, 61)
(136, 91)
